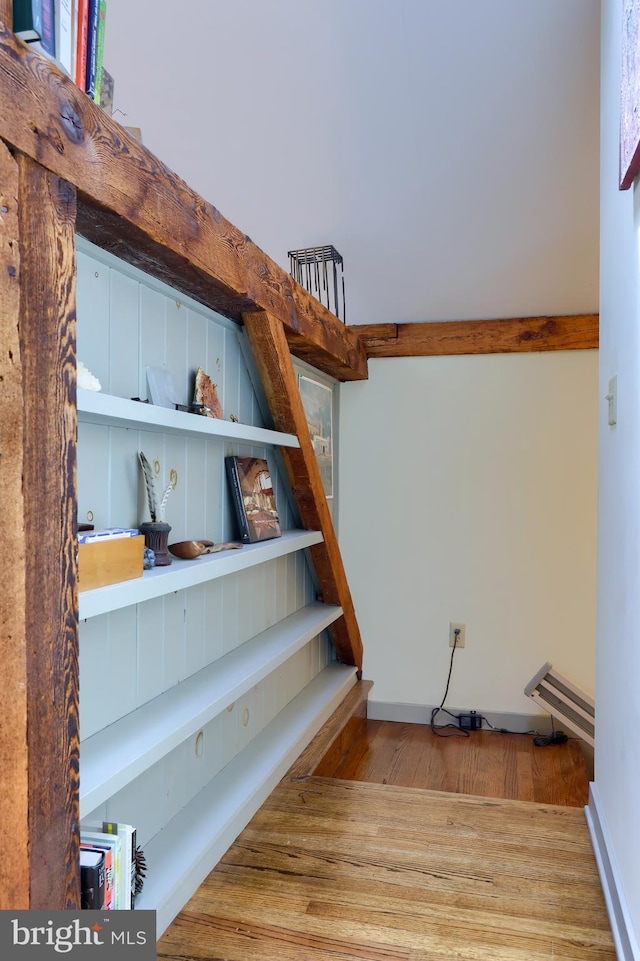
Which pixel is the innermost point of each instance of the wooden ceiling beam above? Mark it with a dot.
(516, 334)
(134, 206)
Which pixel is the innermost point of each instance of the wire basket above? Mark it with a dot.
(321, 271)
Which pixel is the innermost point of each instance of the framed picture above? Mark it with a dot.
(630, 95)
(317, 400)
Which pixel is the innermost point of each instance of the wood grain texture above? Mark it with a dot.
(280, 383)
(6, 13)
(134, 206)
(336, 869)
(336, 736)
(47, 208)
(517, 334)
(14, 824)
(487, 763)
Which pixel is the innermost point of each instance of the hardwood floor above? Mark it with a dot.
(487, 763)
(332, 869)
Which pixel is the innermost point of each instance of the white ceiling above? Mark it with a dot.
(448, 150)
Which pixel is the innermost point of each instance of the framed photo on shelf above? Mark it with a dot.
(317, 400)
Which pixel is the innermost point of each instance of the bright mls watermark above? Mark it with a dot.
(78, 935)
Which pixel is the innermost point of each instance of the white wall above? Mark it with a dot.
(468, 494)
(617, 761)
(448, 150)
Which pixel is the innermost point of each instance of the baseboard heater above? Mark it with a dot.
(564, 701)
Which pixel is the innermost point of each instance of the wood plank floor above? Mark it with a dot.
(333, 870)
(487, 763)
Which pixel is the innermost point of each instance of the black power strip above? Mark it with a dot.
(470, 722)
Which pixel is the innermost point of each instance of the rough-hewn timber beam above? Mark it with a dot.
(566, 332)
(280, 383)
(46, 207)
(14, 770)
(133, 205)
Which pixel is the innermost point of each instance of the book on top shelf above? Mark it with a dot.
(82, 33)
(34, 22)
(64, 27)
(93, 18)
(253, 498)
(99, 57)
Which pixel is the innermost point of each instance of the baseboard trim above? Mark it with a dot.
(626, 943)
(421, 714)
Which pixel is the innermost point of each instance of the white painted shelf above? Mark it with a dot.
(182, 574)
(181, 856)
(95, 407)
(123, 750)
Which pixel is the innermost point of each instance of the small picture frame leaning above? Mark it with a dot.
(317, 400)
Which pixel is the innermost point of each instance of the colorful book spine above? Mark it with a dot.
(34, 21)
(91, 879)
(64, 34)
(102, 12)
(88, 844)
(48, 39)
(92, 47)
(231, 464)
(27, 19)
(127, 835)
(82, 31)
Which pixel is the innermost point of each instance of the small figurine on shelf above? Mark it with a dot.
(156, 532)
(206, 394)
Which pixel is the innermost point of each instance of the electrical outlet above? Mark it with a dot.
(462, 636)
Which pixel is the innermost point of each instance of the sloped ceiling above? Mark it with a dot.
(448, 150)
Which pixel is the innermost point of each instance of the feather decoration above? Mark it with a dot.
(163, 502)
(150, 485)
(156, 509)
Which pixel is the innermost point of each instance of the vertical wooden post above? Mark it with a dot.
(273, 359)
(14, 826)
(47, 215)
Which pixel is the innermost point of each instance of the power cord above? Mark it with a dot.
(453, 730)
(504, 730)
(556, 737)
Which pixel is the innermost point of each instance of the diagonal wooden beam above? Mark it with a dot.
(273, 360)
(516, 334)
(130, 203)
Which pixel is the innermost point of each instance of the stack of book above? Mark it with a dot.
(107, 865)
(69, 31)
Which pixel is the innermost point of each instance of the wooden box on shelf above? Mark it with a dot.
(110, 561)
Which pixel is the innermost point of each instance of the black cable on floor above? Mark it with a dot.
(453, 730)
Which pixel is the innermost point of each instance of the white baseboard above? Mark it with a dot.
(421, 714)
(626, 942)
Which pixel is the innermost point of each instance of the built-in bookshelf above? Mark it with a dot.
(95, 407)
(221, 668)
(244, 630)
(183, 574)
(183, 852)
